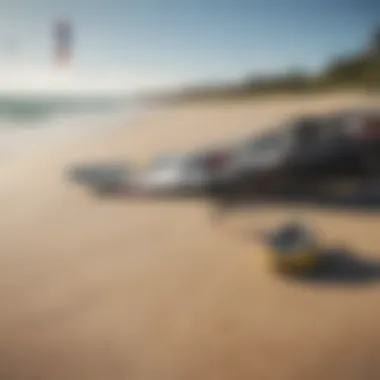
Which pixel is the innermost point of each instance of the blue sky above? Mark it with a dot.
(138, 44)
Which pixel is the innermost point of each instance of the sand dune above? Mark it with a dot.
(116, 289)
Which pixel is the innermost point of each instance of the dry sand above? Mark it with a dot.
(114, 289)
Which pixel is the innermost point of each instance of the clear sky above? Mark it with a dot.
(138, 44)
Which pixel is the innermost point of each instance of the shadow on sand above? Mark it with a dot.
(363, 203)
(339, 266)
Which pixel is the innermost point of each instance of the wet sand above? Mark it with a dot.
(119, 289)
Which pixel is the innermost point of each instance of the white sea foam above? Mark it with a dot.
(33, 127)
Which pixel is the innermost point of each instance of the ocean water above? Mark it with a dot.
(27, 122)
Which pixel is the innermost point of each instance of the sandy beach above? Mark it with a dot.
(118, 289)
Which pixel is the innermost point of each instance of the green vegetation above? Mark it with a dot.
(359, 71)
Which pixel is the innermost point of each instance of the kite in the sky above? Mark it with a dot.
(63, 42)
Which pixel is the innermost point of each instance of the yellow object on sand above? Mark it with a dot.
(293, 248)
(293, 261)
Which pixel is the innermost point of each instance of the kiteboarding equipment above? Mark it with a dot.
(292, 248)
(63, 36)
(106, 178)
